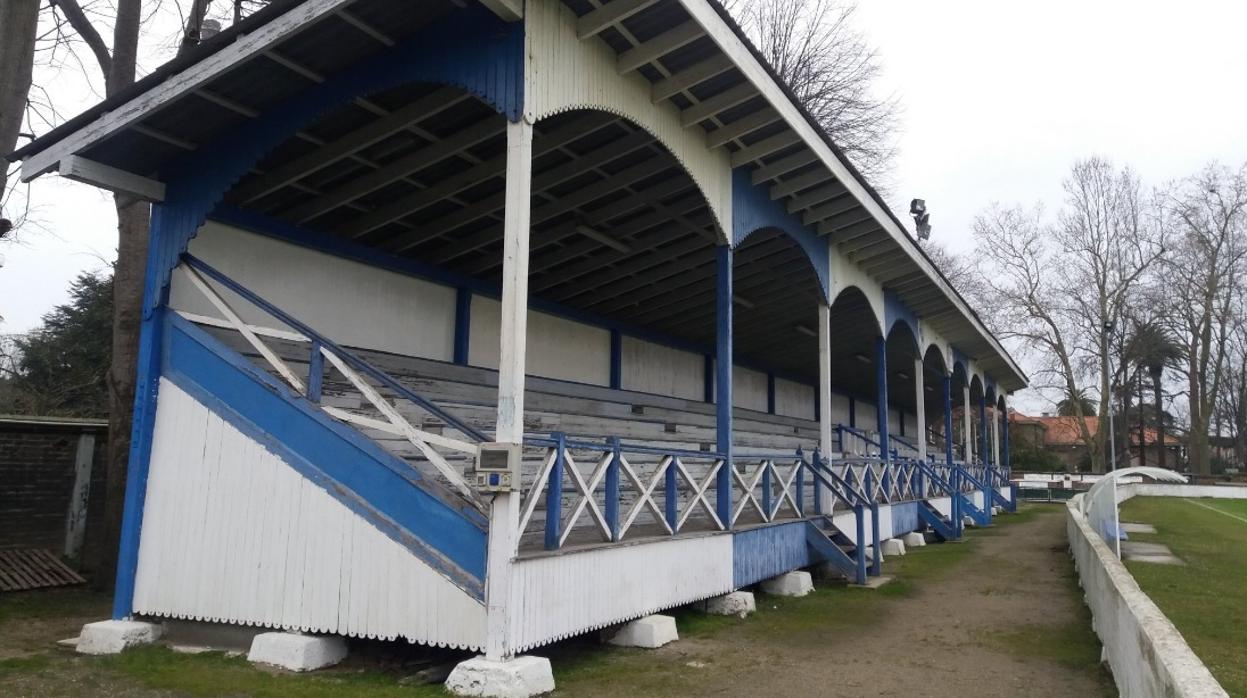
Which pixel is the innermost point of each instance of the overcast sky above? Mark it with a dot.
(999, 99)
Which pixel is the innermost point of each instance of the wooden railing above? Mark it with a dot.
(355, 370)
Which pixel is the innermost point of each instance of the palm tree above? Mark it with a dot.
(1066, 407)
(1152, 348)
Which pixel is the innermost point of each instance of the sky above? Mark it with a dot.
(999, 98)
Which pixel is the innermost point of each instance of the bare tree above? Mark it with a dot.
(1204, 276)
(1062, 290)
(832, 69)
(19, 26)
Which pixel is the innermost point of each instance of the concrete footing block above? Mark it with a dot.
(997, 510)
(914, 540)
(737, 603)
(650, 632)
(798, 583)
(297, 652)
(968, 521)
(893, 546)
(518, 677)
(116, 636)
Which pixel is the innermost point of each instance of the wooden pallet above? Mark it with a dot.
(34, 568)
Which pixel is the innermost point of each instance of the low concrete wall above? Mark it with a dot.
(1158, 489)
(1146, 652)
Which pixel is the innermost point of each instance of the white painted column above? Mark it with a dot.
(824, 393)
(504, 512)
(920, 407)
(967, 417)
(76, 517)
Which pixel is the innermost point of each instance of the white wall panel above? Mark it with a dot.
(866, 416)
(794, 399)
(558, 596)
(351, 303)
(839, 409)
(557, 348)
(748, 389)
(653, 368)
(233, 534)
(566, 73)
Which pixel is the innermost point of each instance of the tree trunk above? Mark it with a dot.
(19, 21)
(128, 274)
(128, 278)
(1160, 420)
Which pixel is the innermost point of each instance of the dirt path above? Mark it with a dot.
(997, 615)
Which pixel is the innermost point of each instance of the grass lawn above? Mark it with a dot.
(1207, 598)
(710, 646)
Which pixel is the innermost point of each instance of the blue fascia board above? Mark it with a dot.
(754, 210)
(768, 551)
(330, 453)
(894, 311)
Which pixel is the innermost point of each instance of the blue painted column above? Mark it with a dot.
(770, 393)
(881, 399)
(616, 360)
(984, 446)
(852, 414)
(463, 324)
(723, 382)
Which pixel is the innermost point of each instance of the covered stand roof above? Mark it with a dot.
(619, 228)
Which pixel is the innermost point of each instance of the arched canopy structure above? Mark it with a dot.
(854, 331)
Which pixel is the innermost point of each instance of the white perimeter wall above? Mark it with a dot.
(1147, 654)
(231, 533)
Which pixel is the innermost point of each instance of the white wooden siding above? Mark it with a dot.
(839, 409)
(563, 595)
(794, 399)
(652, 368)
(351, 303)
(748, 389)
(557, 348)
(866, 416)
(565, 73)
(231, 533)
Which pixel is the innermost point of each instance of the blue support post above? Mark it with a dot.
(554, 493)
(315, 372)
(708, 378)
(616, 360)
(612, 490)
(818, 482)
(876, 561)
(766, 489)
(852, 414)
(948, 419)
(987, 458)
(859, 513)
(840, 437)
(723, 370)
(463, 324)
(671, 500)
(770, 393)
(881, 398)
(800, 482)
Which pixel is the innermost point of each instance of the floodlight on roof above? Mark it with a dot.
(922, 219)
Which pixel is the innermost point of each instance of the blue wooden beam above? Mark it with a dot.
(770, 393)
(852, 412)
(881, 399)
(723, 394)
(463, 324)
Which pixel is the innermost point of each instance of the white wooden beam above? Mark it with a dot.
(596, 21)
(513, 337)
(508, 10)
(96, 174)
(920, 409)
(792, 185)
(690, 77)
(603, 238)
(783, 166)
(296, 20)
(763, 148)
(659, 46)
(741, 127)
(815, 197)
(723, 101)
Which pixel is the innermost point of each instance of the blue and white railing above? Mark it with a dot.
(354, 369)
